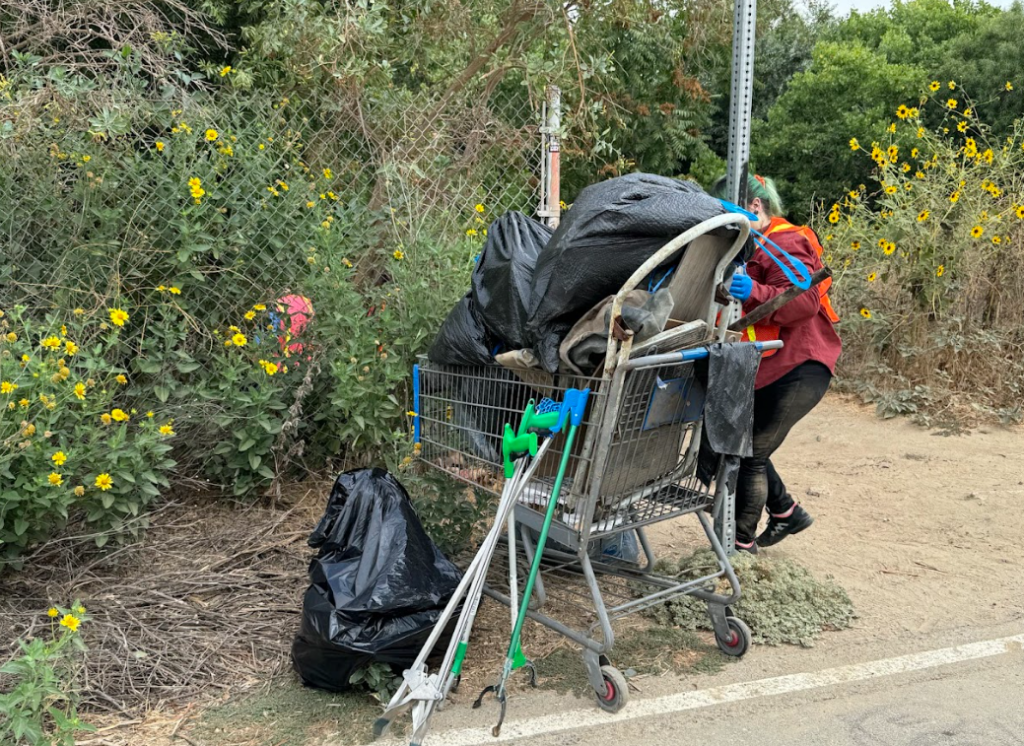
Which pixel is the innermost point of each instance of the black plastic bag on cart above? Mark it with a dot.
(377, 586)
(462, 338)
(503, 276)
(729, 373)
(612, 228)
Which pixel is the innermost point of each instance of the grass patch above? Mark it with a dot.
(781, 601)
(289, 714)
(657, 650)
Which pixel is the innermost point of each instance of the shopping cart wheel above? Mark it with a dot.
(738, 641)
(616, 692)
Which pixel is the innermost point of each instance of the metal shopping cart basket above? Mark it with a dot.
(634, 464)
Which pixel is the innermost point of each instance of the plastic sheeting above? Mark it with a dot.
(503, 275)
(612, 228)
(462, 338)
(377, 585)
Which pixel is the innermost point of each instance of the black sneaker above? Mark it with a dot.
(779, 528)
(749, 549)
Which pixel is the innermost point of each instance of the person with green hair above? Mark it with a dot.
(790, 381)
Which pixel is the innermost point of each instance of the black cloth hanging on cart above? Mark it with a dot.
(729, 373)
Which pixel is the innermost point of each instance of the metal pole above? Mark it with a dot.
(742, 92)
(550, 200)
(740, 99)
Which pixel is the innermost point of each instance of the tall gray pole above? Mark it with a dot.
(740, 99)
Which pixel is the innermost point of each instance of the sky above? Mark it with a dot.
(845, 6)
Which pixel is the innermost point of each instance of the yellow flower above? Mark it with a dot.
(913, 113)
(7, 387)
(952, 85)
(51, 343)
(105, 418)
(262, 146)
(159, 144)
(70, 622)
(104, 482)
(12, 337)
(479, 208)
(78, 311)
(149, 414)
(268, 367)
(250, 315)
(934, 86)
(906, 168)
(24, 403)
(890, 247)
(79, 491)
(259, 307)
(118, 317)
(55, 479)
(923, 216)
(855, 245)
(865, 313)
(996, 240)
(893, 153)
(951, 103)
(1019, 212)
(211, 135)
(59, 458)
(86, 158)
(919, 175)
(174, 290)
(166, 430)
(347, 262)
(891, 189)
(325, 224)
(920, 132)
(70, 348)
(833, 217)
(239, 340)
(52, 613)
(954, 197)
(977, 231)
(225, 71)
(118, 415)
(903, 112)
(80, 391)
(398, 254)
(311, 205)
(471, 232)
(962, 127)
(892, 128)
(1008, 86)
(328, 174)
(872, 277)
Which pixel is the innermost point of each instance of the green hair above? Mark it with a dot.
(767, 192)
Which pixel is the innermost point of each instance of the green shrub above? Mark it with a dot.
(38, 703)
(71, 443)
(927, 260)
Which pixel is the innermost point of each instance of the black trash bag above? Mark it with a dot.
(612, 228)
(462, 339)
(502, 277)
(378, 583)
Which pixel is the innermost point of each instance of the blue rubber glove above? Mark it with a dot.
(741, 286)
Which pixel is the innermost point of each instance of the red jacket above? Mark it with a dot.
(806, 330)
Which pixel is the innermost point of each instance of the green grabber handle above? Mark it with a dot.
(575, 402)
(514, 444)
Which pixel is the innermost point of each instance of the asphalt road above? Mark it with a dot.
(968, 692)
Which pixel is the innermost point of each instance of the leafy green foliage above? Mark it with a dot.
(38, 702)
(781, 602)
(378, 679)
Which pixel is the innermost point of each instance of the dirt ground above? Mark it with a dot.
(922, 530)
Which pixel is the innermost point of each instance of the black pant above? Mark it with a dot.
(777, 407)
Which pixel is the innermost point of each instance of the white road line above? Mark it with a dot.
(592, 717)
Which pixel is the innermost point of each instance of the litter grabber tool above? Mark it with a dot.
(574, 404)
(421, 690)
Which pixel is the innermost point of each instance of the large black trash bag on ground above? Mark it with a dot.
(612, 228)
(378, 583)
(503, 276)
(462, 338)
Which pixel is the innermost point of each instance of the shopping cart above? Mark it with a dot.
(634, 464)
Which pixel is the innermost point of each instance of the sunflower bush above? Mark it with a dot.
(928, 261)
(72, 444)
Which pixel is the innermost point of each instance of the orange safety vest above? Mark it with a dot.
(763, 332)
